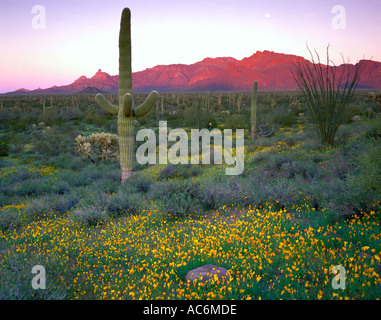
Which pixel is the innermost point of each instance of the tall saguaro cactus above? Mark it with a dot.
(254, 110)
(126, 111)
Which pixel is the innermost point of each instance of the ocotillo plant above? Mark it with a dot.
(328, 91)
(126, 111)
(254, 110)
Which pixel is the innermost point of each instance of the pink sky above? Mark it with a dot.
(81, 36)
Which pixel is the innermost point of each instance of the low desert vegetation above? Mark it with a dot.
(300, 207)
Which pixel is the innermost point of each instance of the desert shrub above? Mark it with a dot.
(368, 174)
(180, 170)
(109, 174)
(17, 142)
(121, 203)
(236, 121)
(339, 167)
(35, 187)
(108, 184)
(261, 156)
(67, 161)
(275, 161)
(4, 148)
(172, 187)
(91, 215)
(50, 142)
(374, 132)
(281, 192)
(286, 120)
(254, 191)
(351, 112)
(9, 218)
(188, 170)
(96, 116)
(292, 140)
(238, 191)
(180, 198)
(20, 175)
(185, 205)
(210, 123)
(91, 208)
(4, 199)
(345, 201)
(211, 195)
(141, 183)
(49, 205)
(98, 146)
(305, 169)
(168, 172)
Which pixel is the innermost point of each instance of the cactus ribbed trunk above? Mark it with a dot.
(126, 111)
(126, 145)
(254, 110)
(125, 124)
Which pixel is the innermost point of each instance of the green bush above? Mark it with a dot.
(275, 161)
(142, 183)
(179, 205)
(51, 142)
(352, 111)
(181, 171)
(122, 203)
(9, 218)
(91, 215)
(368, 174)
(50, 205)
(305, 169)
(374, 132)
(347, 200)
(286, 120)
(4, 148)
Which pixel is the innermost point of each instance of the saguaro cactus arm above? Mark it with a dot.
(105, 105)
(128, 104)
(147, 105)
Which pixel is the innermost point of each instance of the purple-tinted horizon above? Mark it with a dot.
(78, 37)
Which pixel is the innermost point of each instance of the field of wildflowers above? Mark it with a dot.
(279, 228)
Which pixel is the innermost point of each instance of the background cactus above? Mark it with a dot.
(126, 111)
(254, 110)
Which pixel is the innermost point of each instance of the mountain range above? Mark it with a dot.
(272, 70)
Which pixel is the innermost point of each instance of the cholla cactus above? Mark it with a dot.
(98, 146)
(126, 111)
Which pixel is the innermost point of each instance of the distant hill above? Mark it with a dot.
(91, 90)
(272, 71)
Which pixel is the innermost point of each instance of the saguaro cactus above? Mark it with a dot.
(126, 111)
(254, 110)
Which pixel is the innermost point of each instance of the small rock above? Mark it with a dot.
(205, 273)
